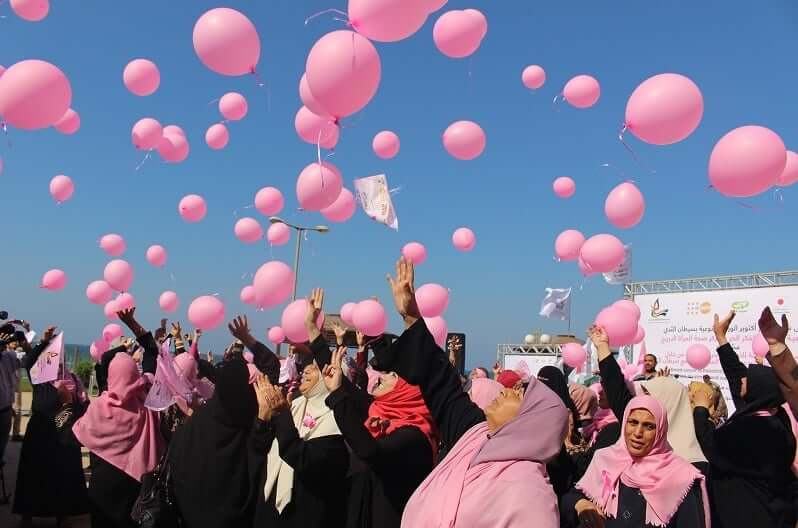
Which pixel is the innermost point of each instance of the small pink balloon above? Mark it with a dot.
(269, 201)
(173, 147)
(276, 335)
(156, 255)
(625, 206)
(248, 230)
(99, 292)
(278, 234)
(387, 20)
(97, 349)
(348, 312)
(192, 208)
(438, 328)
(464, 239)
(169, 301)
(315, 129)
(125, 301)
(113, 244)
(273, 284)
(34, 94)
(533, 77)
(54, 280)
(432, 299)
(342, 208)
(640, 336)
(69, 123)
(621, 327)
(118, 274)
(415, 252)
(602, 253)
(217, 136)
(206, 312)
(247, 295)
(111, 332)
(564, 187)
(568, 244)
(747, 161)
(573, 354)
(318, 186)
(110, 310)
(582, 91)
(173, 129)
(293, 321)
(464, 140)
(759, 345)
(146, 133)
(386, 144)
(664, 109)
(458, 34)
(141, 77)
(233, 106)
(31, 10)
(61, 188)
(790, 173)
(307, 98)
(698, 356)
(227, 42)
(630, 307)
(370, 318)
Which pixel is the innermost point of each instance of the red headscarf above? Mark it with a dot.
(403, 406)
(508, 378)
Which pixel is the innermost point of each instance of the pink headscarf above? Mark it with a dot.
(663, 477)
(794, 428)
(117, 427)
(187, 368)
(495, 480)
(586, 400)
(373, 377)
(484, 391)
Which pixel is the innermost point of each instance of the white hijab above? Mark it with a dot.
(681, 430)
(313, 419)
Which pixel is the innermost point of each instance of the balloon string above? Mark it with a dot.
(4, 128)
(554, 104)
(146, 157)
(331, 10)
(318, 157)
(610, 166)
(632, 152)
(258, 78)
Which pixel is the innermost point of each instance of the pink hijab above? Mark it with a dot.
(188, 369)
(663, 477)
(586, 400)
(117, 427)
(484, 391)
(496, 480)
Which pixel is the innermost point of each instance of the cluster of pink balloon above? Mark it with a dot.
(319, 187)
(35, 94)
(233, 107)
(170, 141)
(621, 322)
(599, 254)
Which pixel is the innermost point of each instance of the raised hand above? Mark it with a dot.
(598, 336)
(315, 305)
(177, 331)
(771, 330)
(664, 372)
(403, 291)
(48, 333)
(332, 373)
(270, 398)
(721, 327)
(239, 327)
(340, 333)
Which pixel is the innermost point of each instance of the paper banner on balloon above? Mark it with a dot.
(375, 198)
(167, 384)
(622, 273)
(556, 304)
(46, 367)
(584, 374)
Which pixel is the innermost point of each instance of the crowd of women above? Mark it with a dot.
(403, 440)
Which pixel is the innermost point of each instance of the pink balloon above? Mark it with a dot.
(97, 349)
(110, 310)
(247, 295)
(434, 5)
(146, 133)
(293, 321)
(481, 20)
(156, 255)
(233, 106)
(760, 345)
(69, 123)
(415, 252)
(464, 140)
(625, 206)
(273, 283)
(2, 70)
(432, 299)
(370, 318)
(342, 208)
(169, 301)
(227, 42)
(192, 208)
(387, 20)
(118, 274)
(34, 94)
(582, 91)
(573, 354)
(602, 253)
(564, 187)
(533, 77)
(141, 77)
(111, 332)
(343, 72)
(386, 144)
(458, 34)
(745, 162)
(464, 239)
(248, 230)
(584, 268)
(664, 109)
(269, 201)
(217, 136)
(621, 327)
(698, 356)
(438, 328)
(315, 129)
(54, 280)
(790, 173)
(348, 312)
(278, 234)
(31, 10)
(568, 244)
(113, 244)
(125, 301)
(173, 129)
(61, 188)
(99, 292)
(639, 336)
(173, 147)
(629, 307)
(276, 335)
(206, 312)
(318, 186)
(307, 98)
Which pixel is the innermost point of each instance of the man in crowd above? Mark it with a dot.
(721, 411)
(9, 378)
(649, 368)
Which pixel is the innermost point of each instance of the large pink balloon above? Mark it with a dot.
(602, 253)
(192, 208)
(34, 94)
(464, 239)
(620, 325)
(293, 321)
(307, 98)
(269, 201)
(629, 307)
(584, 269)
(276, 335)
(233, 106)
(247, 295)
(248, 230)
(564, 187)
(278, 234)
(432, 299)
(568, 244)
(111, 332)
(342, 208)
(759, 345)
(533, 77)
(173, 147)
(625, 206)
(113, 244)
(639, 336)
(318, 186)
(2, 70)
(387, 20)
(61, 188)
(582, 91)
(168, 301)
(664, 109)
(415, 252)
(464, 140)
(110, 309)
(573, 354)
(206, 312)
(458, 34)
(438, 328)
(141, 77)
(273, 283)
(54, 280)
(227, 42)
(125, 301)
(434, 5)
(698, 356)
(370, 318)
(217, 136)
(348, 312)
(386, 144)
(69, 123)
(118, 274)
(31, 10)
(99, 292)
(315, 129)
(746, 161)
(790, 173)
(97, 349)
(156, 255)
(146, 133)
(343, 72)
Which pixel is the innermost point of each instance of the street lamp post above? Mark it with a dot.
(299, 232)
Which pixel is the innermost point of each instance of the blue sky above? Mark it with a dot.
(738, 52)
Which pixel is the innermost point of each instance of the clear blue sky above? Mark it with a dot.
(739, 52)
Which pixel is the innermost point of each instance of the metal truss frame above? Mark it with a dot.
(721, 282)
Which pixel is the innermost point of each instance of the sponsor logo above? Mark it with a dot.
(658, 312)
(698, 308)
(705, 307)
(740, 306)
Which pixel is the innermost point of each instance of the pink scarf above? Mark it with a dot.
(496, 480)
(484, 391)
(117, 427)
(187, 368)
(586, 400)
(601, 419)
(663, 477)
(794, 428)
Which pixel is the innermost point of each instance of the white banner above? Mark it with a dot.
(623, 273)
(375, 198)
(533, 362)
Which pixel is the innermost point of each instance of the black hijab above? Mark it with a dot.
(762, 391)
(554, 379)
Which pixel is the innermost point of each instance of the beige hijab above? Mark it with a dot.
(681, 431)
